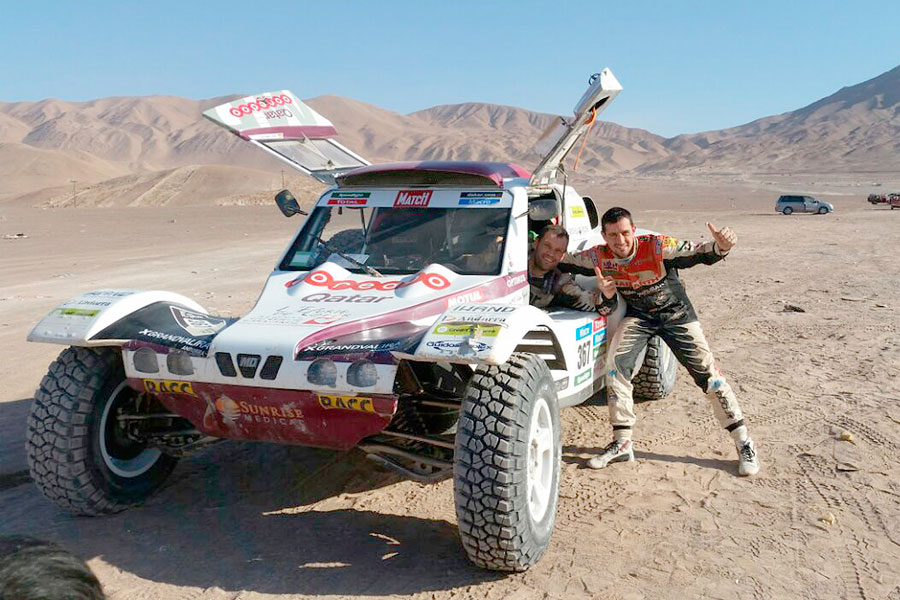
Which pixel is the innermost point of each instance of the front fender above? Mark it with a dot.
(480, 333)
(76, 322)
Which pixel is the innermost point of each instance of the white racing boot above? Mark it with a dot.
(748, 462)
(617, 451)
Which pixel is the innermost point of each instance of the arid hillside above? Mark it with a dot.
(157, 150)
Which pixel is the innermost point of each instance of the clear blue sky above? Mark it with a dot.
(686, 66)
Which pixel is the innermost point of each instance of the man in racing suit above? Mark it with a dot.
(548, 285)
(644, 270)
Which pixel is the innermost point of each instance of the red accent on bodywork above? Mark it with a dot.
(296, 132)
(498, 288)
(276, 415)
(494, 172)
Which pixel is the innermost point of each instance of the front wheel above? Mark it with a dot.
(823, 210)
(507, 464)
(79, 454)
(787, 210)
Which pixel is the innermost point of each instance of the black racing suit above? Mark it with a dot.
(556, 288)
(656, 304)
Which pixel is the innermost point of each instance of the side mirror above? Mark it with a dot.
(543, 209)
(287, 204)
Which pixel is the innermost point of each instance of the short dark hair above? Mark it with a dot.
(31, 569)
(554, 230)
(614, 215)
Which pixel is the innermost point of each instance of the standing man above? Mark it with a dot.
(644, 270)
(551, 287)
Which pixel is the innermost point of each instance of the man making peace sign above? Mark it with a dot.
(644, 270)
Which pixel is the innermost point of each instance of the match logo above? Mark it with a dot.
(412, 198)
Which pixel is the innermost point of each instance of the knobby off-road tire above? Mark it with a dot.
(507, 464)
(78, 455)
(656, 377)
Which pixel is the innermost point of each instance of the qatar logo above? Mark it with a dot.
(434, 281)
(412, 198)
(261, 103)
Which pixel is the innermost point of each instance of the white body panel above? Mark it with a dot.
(76, 321)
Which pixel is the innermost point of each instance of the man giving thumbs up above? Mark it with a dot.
(644, 270)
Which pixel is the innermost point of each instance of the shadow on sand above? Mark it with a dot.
(238, 516)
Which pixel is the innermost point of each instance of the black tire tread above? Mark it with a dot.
(656, 377)
(490, 462)
(58, 439)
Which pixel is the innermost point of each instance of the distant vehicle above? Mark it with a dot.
(892, 200)
(791, 204)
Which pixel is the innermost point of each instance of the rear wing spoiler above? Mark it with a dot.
(282, 125)
(556, 141)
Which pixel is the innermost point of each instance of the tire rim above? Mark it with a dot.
(540, 459)
(122, 461)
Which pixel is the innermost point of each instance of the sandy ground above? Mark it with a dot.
(249, 521)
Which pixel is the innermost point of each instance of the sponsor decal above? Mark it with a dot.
(349, 198)
(516, 280)
(85, 302)
(164, 386)
(248, 361)
(247, 364)
(231, 411)
(463, 347)
(320, 321)
(473, 329)
(435, 281)
(262, 103)
(597, 350)
(355, 403)
(356, 299)
(577, 211)
(582, 377)
(77, 312)
(465, 298)
(196, 323)
(484, 309)
(489, 319)
(412, 198)
(108, 294)
(186, 343)
(299, 315)
(599, 324)
(351, 348)
(479, 198)
(583, 331)
(599, 338)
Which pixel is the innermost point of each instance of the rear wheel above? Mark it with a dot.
(507, 464)
(656, 377)
(787, 210)
(79, 453)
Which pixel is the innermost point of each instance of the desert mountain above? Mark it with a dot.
(145, 149)
(856, 129)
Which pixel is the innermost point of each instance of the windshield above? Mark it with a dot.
(402, 240)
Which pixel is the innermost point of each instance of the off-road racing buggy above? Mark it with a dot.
(397, 322)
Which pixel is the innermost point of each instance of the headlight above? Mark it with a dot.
(179, 363)
(362, 373)
(145, 361)
(322, 371)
